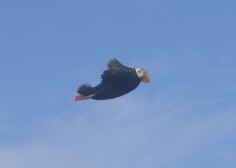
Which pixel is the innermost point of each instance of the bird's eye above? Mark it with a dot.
(139, 71)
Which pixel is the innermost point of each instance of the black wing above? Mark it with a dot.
(116, 72)
(115, 65)
(116, 76)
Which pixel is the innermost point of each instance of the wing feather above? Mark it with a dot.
(116, 72)
(114, 64)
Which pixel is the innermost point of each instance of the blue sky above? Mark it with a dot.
(186, 116)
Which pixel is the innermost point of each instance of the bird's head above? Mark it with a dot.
(142, 74)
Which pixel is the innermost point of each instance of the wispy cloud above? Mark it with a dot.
(124, 133)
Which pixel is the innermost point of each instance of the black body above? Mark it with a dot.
(116, 81)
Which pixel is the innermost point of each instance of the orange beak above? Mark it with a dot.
(145, 78)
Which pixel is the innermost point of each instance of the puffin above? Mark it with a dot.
(117, 81)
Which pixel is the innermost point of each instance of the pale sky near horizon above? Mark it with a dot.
(186, 116)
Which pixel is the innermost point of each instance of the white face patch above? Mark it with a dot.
(140, 72)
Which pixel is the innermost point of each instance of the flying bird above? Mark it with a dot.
(117, 80)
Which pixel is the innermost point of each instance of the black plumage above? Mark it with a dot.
(117, 80)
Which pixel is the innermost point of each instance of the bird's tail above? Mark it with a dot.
(85, 90)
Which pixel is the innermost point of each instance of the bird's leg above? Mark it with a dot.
(83, 97)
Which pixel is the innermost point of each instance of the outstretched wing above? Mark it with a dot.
(116, 72)
(115, 65)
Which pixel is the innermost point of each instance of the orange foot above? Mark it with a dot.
(83, 97)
